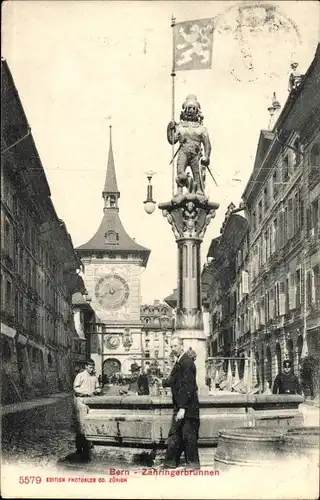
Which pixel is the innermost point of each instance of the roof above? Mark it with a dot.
(79, 300)
(213, 246)
(15, 129)
(118, 241)
(111, 185)
(98, 243)
(171, 300)
(265, 139)
(300, 110)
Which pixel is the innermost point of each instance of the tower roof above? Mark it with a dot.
(110, 185)
(111, 236)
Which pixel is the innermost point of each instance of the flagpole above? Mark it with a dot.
(173, 74)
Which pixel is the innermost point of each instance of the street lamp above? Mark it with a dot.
(149, 204)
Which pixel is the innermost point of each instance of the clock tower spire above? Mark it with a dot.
(110, 193)
(112, 262)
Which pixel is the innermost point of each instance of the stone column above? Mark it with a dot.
(189, 215)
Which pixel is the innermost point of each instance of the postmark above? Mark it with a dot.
(253, 29)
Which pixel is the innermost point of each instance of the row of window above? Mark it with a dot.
(284, 226)
(278, 300)
(30, 271)
(280, 176)
(286, 295)
(156, 353)
(35, 319)
(154, 310)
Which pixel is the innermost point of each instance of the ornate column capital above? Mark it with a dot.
(189, 215)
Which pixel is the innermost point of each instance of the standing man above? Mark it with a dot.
(86, 384)
(286, 382)
(184, 430)
(139, 382)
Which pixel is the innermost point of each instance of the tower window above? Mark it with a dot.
(111, 201)
(112, 237)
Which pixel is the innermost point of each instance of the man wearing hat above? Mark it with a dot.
(286, 382)
(139, 382)
(86, 384)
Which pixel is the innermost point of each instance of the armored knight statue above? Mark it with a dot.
(192, 137)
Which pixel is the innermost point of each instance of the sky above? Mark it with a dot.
(80, 66)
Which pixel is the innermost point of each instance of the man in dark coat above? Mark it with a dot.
(184, 430)
(286, 382)
(139, 381)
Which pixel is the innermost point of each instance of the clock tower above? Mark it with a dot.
(112, 267)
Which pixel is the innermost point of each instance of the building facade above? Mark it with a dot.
(225, 289)
(82, 315)
(282, 204)
(272, 288)
(157, 328)
(38, 266)
(112, 264)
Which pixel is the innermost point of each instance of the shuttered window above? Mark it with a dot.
(262, 311)
(298, 289)
(309, 288)
(290, 218)
(292, 292)
(282, 298)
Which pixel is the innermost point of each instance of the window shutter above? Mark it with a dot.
(262, 312)
(309, 288)
(271, 304)
(245, 282)
(282, 299)
(292, 292)
(301, 209)
(258, 314)
(281, 228)
(308, 219)
(290, 218)
(271, 308)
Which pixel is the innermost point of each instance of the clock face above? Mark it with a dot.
(112, 341)
(112, 291)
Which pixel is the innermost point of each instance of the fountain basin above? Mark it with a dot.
(266, 447)
(141, 423)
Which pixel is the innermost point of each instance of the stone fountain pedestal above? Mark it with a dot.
(189, 215)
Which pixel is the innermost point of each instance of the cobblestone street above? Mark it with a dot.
(40, 436)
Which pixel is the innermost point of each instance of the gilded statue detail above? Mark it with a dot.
(194, 145)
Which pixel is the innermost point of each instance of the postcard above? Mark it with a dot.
(160, 249)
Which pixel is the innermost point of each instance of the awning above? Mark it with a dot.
(8, 331)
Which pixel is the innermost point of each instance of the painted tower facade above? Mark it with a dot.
(112, 269)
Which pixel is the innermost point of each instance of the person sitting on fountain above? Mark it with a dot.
(192, 135)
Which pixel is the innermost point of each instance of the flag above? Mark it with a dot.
(193, 44)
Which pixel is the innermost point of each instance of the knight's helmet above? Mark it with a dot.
(191, 109)
(191, 102)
